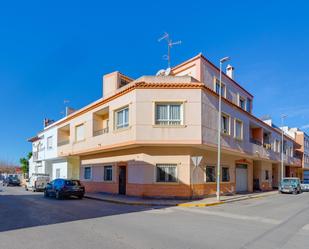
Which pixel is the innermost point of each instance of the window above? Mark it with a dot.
(210, 174)
(217, 87)
(108, 173)
(242, 103)
(225, 174)
(266, 175)
(79, 133)
(57, 173)
(87, 173)
(238, 129)
(249, 101)
(276, 145)
(49, 142)
(225, 123)
(122, 118)
(166, 172)
(168, 114)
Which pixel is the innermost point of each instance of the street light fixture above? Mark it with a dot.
(225, 59)
(283, 116)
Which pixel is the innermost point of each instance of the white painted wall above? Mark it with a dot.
(63, 167)
(49, 153)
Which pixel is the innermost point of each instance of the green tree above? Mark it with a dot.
(24, 163)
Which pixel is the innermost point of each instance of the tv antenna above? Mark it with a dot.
(170, 44)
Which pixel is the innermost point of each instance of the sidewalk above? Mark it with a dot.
(209, 201)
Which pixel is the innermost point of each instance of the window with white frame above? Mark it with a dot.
(242, 103)
(225, 174)
(166, 172)
(49, 142)
(225, 123)
(169, 113)
(238, 129)
(249, 103)
(210, 172)
(277, 145)
(87, 173)
(108, 173)
(79, 132)
(122, 118)
(217, 88)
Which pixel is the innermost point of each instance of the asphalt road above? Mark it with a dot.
(28, 220)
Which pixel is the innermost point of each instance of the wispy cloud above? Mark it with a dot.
(294, 111)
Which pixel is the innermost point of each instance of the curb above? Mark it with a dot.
(179, 204)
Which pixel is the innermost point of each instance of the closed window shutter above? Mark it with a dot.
(80, 133)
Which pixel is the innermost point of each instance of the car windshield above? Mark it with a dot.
(289, 181)
(72, 183)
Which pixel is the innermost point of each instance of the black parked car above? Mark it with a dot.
(61, 188)
(11, 181)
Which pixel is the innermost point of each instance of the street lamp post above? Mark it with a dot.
(282, 132)
(219, 127)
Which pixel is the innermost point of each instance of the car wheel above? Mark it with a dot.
(58, 195)
(80, 196)
(46, 193)
(295, 192)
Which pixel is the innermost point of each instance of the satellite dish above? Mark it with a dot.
(168, 71)
(160, 72)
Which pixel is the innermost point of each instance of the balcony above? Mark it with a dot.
(64, 135)
(254, 141)
(100, 132)
(267, 146)
(64, 142)
(101, 122)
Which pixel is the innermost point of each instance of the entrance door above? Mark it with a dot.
(122, 180)
(241, 178)
(287, 171)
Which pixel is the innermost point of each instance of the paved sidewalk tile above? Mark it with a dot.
(210, 201)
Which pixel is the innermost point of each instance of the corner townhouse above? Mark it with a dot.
(141, 137)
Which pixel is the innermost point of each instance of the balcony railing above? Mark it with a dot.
(64, 142)
(100, 132)
(254, 141)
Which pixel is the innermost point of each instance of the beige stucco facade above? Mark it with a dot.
(250, 155)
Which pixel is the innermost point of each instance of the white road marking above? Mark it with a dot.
(160, 211)
(232, 216)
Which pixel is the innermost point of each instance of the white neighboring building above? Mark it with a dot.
(45, 157)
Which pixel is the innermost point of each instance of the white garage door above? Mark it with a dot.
(241, 178)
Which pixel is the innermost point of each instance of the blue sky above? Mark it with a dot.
(56, 50)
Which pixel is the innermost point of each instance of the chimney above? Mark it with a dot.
(69, 110)
(230, 71)
(47, 122)
(114, 81)
(111, 82)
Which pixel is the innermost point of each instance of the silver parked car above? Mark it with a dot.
(290, 185)
(304, 185)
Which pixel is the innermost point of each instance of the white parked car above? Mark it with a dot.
(37, 182)
(304, 185)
